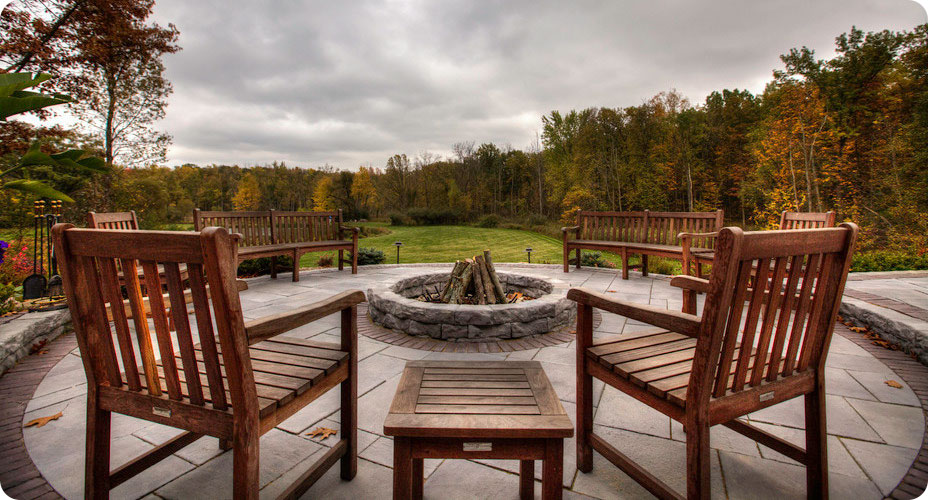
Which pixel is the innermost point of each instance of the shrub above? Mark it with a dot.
(537, 220)
(594, 259)
(7, 302)
(373, 231)
(489, 220)
(258, 267)
(662, 266)
(432, 216)
(399, 219)
(370, 256)
(888, 260)
(325, 261)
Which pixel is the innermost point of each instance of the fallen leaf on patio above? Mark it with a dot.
(858, 329)
(894, 384)
(39, 422)
(325, 432)
(611, 291)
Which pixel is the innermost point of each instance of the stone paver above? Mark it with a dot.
(876, 431)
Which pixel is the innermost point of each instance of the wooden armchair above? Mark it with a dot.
(695, 244)
(235, 389)
(752, 347)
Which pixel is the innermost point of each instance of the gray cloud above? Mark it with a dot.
(351, 83)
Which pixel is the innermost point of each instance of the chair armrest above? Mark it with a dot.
(275, 324)
(687, 324)
(689, 236)
(691, 283)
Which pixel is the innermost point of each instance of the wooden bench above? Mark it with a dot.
(643, 233)
(788, 220)
(272, 233)
(474, 410)
(218, 376)
(755, 345)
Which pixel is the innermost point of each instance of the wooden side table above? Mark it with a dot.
(477, 409)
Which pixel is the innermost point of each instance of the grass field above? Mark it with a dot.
(450, 243)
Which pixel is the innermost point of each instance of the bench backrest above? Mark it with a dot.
(294, 227)
(648, 227)
(181, 390)
(272, 227)
(774, 291)
(112, 220)
(807, 220)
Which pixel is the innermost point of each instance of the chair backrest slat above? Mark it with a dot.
(217, 392)
(772, 304)
(184, 371)
(162, 332)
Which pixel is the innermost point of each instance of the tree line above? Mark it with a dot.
(849, 134)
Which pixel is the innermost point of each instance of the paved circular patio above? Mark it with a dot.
(875, 430)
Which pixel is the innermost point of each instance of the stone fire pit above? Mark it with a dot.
(396, 308)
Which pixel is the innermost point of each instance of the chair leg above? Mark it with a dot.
(584, 418)
(349, 394)
(341, 260)
(698, 464)
(97, 466)
(624, 263)
(225, 444)
(274, 267)
(245, 465)
(578, 258)
(816, 445)
(644, 265)
(566, 259)
(354, 260)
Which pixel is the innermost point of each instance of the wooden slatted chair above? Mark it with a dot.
(235, 389)
(751, 348)
(112, 220)
(694, 253)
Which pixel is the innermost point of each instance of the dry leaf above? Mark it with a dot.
(611, 291)
(41, 421)
(858, 329)
(325, 432)
(893, 384)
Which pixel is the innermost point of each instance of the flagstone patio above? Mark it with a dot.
(875, 431)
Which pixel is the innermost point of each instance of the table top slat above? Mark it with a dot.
(477, 400)
(475, 377)
(473, 391)
(487, 384)
(479, 409)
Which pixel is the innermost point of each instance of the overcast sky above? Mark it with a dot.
(350, 83)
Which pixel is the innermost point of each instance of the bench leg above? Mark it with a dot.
(698, 269)
(274, 267)
(566, 259)
(584, 418)
(578, 258)
(97, 466)
(644, 265)
(402, 468)
(225, 444)
(341, 260)
(296, 265)
(526, 479)
(624, 263)
(552, 476)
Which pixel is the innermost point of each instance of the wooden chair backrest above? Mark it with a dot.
(89, 259)
(807, 220)
(777, 290)
(295, 227)
(664, 227)
(112, 220)
(661, 228)
(255, 227)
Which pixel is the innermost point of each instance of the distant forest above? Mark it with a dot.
(848, 134)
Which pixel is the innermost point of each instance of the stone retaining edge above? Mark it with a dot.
(18, 336)
(909, 333)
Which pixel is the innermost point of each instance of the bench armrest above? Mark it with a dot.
(690, 283)
(275, 324)
(687, 324)
(690, 236)
(355, 230)
(570, 228)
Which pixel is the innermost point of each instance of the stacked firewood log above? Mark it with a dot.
(474, 281)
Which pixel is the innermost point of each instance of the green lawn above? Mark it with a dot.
(450, 243)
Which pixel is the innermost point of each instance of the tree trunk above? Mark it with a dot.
(110, 118)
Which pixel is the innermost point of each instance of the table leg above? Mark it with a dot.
(418, 478)
(402, 468)
(552, 477)
(526, 479)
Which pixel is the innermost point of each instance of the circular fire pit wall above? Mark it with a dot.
(396, 307)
